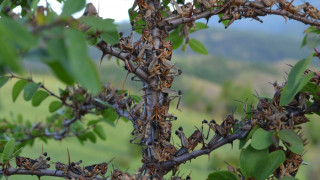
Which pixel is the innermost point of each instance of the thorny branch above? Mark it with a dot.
(126, 57)
(255, 8)
(42, 172)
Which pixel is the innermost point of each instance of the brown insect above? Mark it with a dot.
(184, 10)
(96, 169)
(222, 130)
(269, 3)
(72, 167)
(290, 167)
(190, 143)
(62, 167)
(90, 10)
(117, 175)
(207, 4)
(31, 164)
(285, 5)
(251, 14)
(311, 11)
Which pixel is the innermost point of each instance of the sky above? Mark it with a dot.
(118, 10)
(114, 9)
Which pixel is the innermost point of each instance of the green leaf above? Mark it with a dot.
(56, 47)
(3, 80)
(197, 46)
(91, 137)
(54, 106)
(108, 29)
(103, 102)
(261, 139)
(311, 88)
(100, 132)
(17, 88)
(30, 89)
(175, 38)
(98, 24)
(18, 33)
(249, 158)
(61, 72)
(110, 37)
(304, 41)
(293, 141)
(8, 151)
(268, 164)
(245, 140)
(312, 40)
(132, 14)
(109, 115)
(136, 98)
(38, 97)
(224, 22)
(92, 122)
(296, 81)
(222, 175)
(83, 68)
(199, 26)
(4, 4)
(8, 55)
(34, 4)
(72, 6)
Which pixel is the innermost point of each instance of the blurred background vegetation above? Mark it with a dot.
(241, 65)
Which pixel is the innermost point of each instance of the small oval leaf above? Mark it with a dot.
(109, 115)
(244, 141)
(261, 139)
(249, 158)
(17, 88)
(54, 106)
(38, 97)
(91, 136)
(29, 90)
(198, 26)
(296, 81)
(268, 164)
(72, 6)
(82, 67)
(197, 46)
(293, 141)
(175, 38)
(8, 151)
(18, 33)
(110, 37)
(100, 132)
(222, 175)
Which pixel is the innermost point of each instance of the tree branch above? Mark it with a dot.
(42, 172)
(108, 49)
(168, 165)
(171, 24)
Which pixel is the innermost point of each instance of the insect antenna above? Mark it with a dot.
(111, 160)
(69, 158)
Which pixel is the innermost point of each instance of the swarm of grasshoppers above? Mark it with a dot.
(33, 164)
